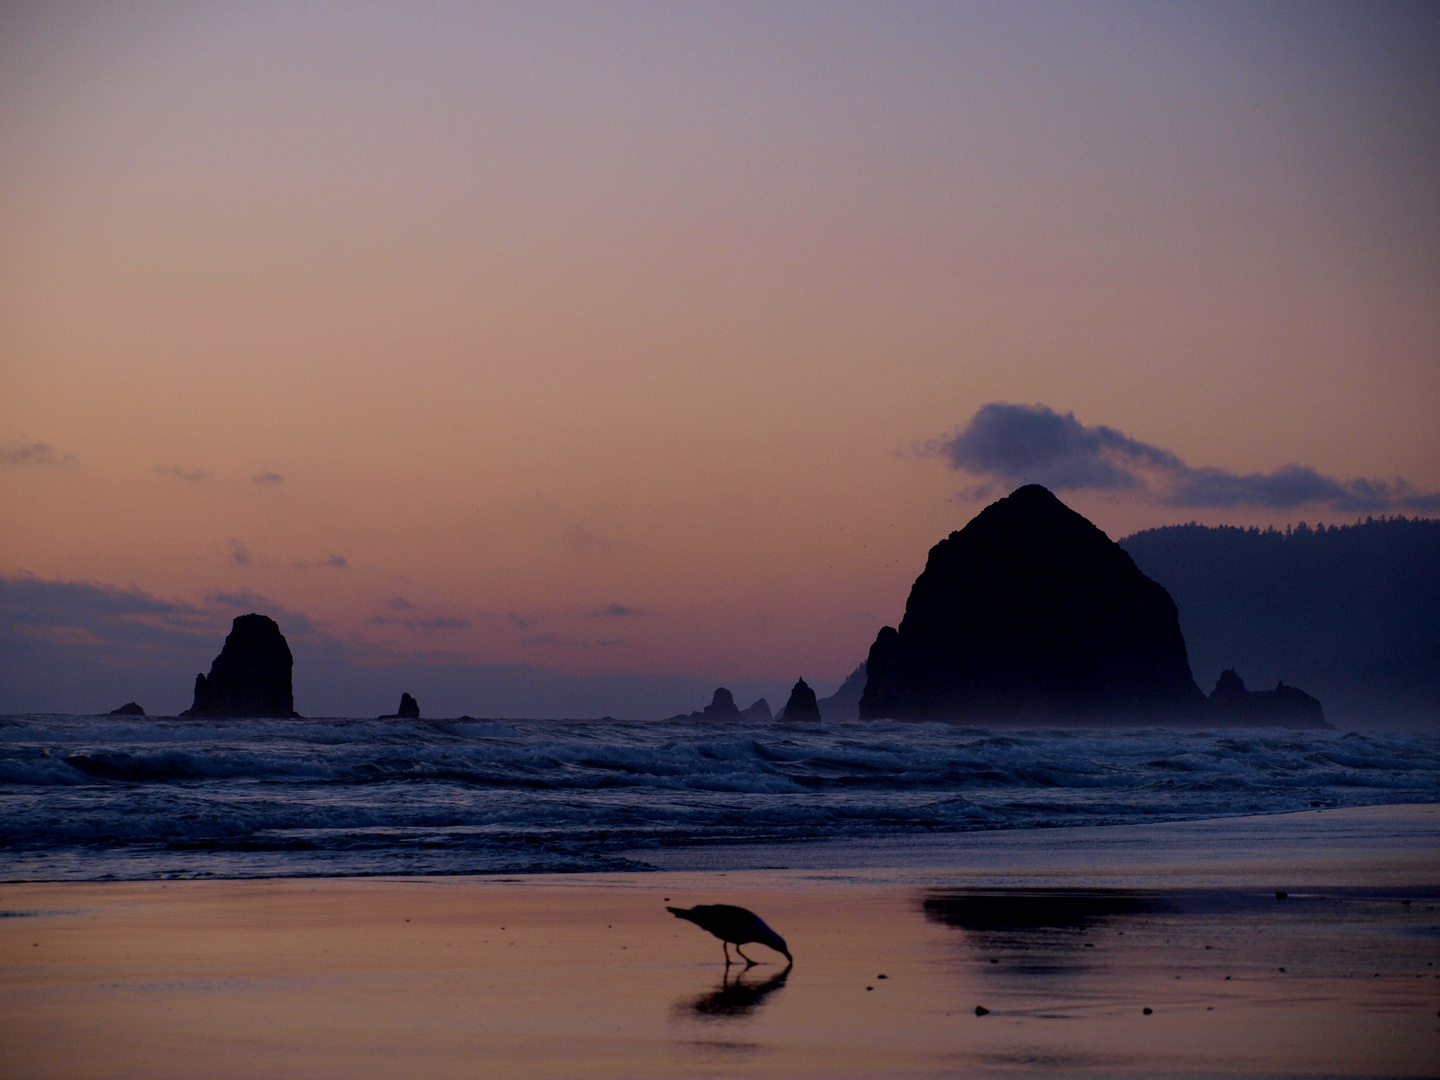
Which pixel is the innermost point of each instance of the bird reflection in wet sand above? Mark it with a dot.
(734, 997)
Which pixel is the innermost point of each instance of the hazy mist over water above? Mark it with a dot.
(98, 797)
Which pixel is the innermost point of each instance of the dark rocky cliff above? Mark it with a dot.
(1031, 612)
(251, 676)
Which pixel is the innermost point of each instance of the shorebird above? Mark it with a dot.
(733, 926)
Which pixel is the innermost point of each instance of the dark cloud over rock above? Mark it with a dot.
(1009, 445)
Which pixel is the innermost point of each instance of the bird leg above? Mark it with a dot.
(726, 945)
(748, 962)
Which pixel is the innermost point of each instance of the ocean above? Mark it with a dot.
(91, 798)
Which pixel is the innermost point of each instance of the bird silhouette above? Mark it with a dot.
(733, 926)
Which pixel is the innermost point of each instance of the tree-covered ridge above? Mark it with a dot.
(1350, 610)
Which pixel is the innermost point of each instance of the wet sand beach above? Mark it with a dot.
(1065, 937)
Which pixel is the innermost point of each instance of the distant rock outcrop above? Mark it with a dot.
(844, 704)
(722, 707)
(130, 708)
(409, 709)
(1285, 706)
(1031, 613)
(759, 711)
(802, 706)
(251, 676)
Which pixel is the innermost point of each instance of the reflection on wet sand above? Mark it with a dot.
(1007, 911)
(736, 996)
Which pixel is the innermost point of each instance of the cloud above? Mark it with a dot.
(266, 479)
(581, 537)
(331, 561)
(427, 624)
(1033, 444)
(240, 554)
(190, 475)
(617, 611)
(24, 451)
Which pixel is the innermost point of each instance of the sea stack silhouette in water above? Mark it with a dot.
(251, 676)
(1030, 612)
(802, 705)
(722, 707)
(130, 708)
(409, 710)
(759, 711)
(1285, 706)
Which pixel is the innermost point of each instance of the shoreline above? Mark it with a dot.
(1063, 941)
(1402, 836)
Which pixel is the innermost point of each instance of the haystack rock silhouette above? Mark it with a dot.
(802, 706)
(251, 676)
(1030, 612)
(130, 708)
(409, 709)
(1285, 706)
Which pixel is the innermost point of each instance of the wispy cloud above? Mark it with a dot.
(331, 561)
(240, 554)
(1018, 444)
(267, 479)
(582, 537)
(425, 624)
(193, 476)
(617, 611)
(25, 451)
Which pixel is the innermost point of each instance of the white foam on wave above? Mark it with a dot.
(367, 796)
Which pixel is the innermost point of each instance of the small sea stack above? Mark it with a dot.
(409, 710)
(722, 707)
(802, 707)
(1285, 706)
(759, 711)
(130, 708)
(251, 676)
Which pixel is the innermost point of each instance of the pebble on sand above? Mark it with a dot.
(981, 1010)
(1147, 1010)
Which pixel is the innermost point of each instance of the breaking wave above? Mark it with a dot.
(84, 797)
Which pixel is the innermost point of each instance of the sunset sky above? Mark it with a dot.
(640, 342)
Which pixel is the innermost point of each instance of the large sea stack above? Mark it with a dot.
(251, 676)
(1030, 612)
